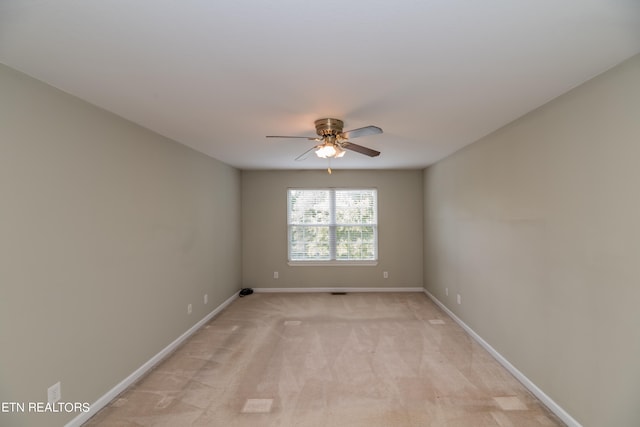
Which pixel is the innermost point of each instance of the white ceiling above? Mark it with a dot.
(220, 75)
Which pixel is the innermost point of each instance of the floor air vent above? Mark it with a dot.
(338, 293)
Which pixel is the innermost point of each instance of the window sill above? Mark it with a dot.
(333, 263)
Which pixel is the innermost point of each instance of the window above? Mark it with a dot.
(333, 224)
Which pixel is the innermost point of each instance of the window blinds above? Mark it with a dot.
(332, 224)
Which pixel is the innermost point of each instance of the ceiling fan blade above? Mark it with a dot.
(310, 138)
(305, 154)
(357, 133)
(359, 149)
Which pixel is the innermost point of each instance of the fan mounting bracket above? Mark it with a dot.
(329, 127)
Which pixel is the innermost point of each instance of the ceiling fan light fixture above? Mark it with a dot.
(334, 141)
(328, 150)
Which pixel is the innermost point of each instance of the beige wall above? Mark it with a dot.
(264, 227)
(107, 232)
(537, 226)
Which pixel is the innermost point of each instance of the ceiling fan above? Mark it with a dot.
(333, 141)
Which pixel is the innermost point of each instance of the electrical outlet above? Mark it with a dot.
(276, 275)
(54, 393)
(189, 309)
(459, 299)
(385, 274)
(206, 298)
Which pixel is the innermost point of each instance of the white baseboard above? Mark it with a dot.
(122, 385)
(353, 290)
(534, 389)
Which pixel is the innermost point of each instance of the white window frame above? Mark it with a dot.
(332, 261)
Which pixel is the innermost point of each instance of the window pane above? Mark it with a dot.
(309, 207)
(355, 207)
(309, 243)
(355, 243)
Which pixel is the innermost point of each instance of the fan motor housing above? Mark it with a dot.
(326, 127)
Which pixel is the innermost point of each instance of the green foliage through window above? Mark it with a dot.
(332, 224)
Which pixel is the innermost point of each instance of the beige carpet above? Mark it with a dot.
(361, 359)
